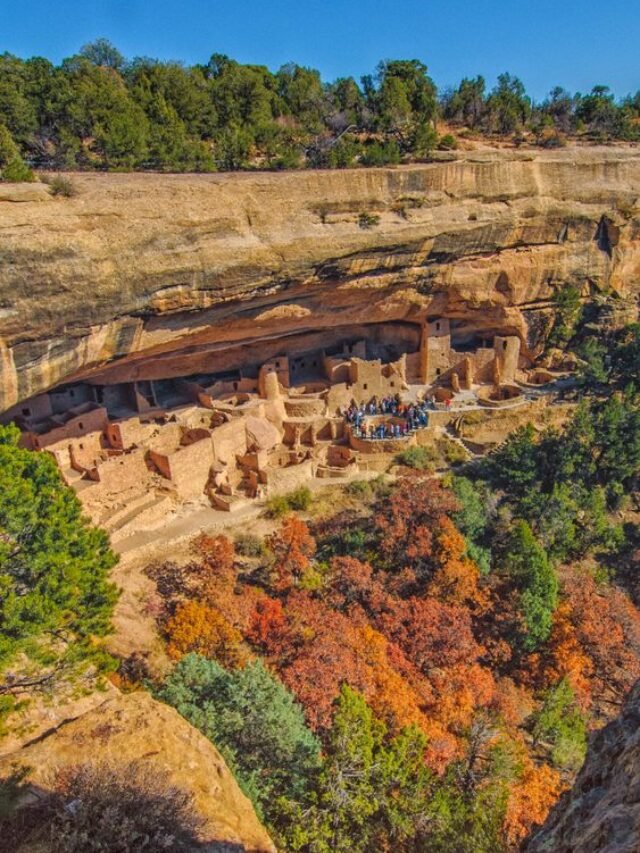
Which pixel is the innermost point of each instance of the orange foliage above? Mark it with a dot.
(512, 702)
(292, 546)
(565, 657)
(217, 557)
(389, 694)
(530, 799)
(607, 628)
(218, 552)
(460, 691)
(456, 577)
(197, 627)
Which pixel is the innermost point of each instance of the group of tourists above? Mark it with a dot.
(413, 416)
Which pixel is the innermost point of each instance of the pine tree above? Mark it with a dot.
(55, 597)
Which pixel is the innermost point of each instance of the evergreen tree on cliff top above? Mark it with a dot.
(55, 597)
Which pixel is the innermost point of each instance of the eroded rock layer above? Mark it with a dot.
(152, 276)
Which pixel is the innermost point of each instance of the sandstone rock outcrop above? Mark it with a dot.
(134, 727)
(149, 276)
(601, 812)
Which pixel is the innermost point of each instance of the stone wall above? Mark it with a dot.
(190, 467)
(228, 441)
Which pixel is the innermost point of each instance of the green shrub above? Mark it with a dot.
(453, 452)
(253, 720)
(297, 501)
(448, 142)
(381, 153)
(277, 506)
(56, 598)
(12, 167)
(420, 458)
(60, 185)
(300, 499)
(250, 545)
(360, 489)
(560, 724)
(368, 220)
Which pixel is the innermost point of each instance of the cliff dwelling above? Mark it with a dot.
(136, 446)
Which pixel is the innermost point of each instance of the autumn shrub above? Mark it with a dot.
(198, 627)
(132, 672)
(171, 579)
(218, 552)
(101, 808)
(268, 629)
(292, 547)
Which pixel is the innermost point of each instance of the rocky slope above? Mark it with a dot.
(135, 727)
(147, 276)
(601, 812)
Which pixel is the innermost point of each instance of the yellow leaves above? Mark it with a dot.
(198, 627)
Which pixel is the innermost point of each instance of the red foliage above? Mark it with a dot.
(407, 520)
(430, 633)
(350, 582)
(268, 628)
(322, 656)
(292, 547)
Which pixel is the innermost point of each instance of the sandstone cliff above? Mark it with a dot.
(147, 276)
(601, 812)
(135, 727)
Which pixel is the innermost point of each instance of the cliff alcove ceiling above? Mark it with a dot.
(144, 275)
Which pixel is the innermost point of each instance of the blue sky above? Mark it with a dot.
(576, 43)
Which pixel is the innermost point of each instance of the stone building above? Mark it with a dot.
(264, 428)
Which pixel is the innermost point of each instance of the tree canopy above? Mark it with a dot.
(99, 110)
(55, 596)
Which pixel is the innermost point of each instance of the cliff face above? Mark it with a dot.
(136, 728)
(147, 276)
(601, 812)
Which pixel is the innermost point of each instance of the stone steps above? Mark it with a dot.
(148, 516)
